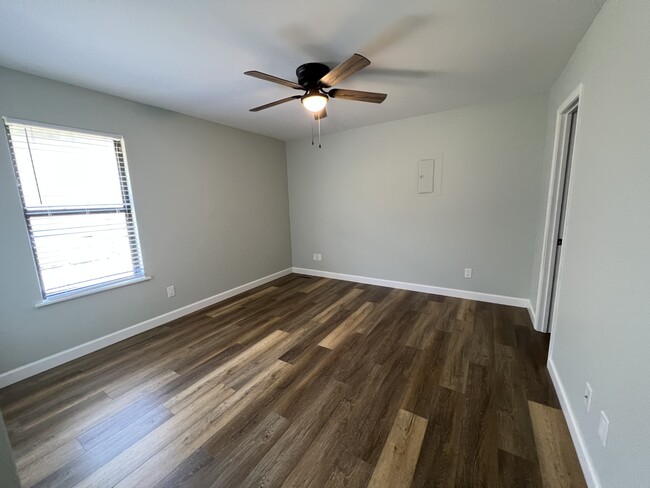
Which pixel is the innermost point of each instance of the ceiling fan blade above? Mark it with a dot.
(347, 68)
(273, 104)
(274, 79)
(320, 115)
(359, 96)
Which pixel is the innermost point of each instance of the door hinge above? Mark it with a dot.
(559, 242)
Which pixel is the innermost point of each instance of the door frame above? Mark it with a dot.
(544, 321)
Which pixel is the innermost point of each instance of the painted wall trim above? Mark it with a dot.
(435, 290)
(533, 315)
(591, 476)
(552, 210)
(31, 369)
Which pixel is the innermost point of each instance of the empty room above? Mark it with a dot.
(364, 244)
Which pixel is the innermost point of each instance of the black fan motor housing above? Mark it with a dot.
(309, 74)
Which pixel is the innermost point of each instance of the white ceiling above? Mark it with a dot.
(189, 56)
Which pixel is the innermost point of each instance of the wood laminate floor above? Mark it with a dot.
(303, 382)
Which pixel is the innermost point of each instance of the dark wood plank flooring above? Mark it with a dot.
(303, 382)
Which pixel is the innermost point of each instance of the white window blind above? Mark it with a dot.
(76, 197)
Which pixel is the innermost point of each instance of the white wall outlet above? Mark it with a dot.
(603, 428)
(468, 272)
(317, 256)
(171, 291)
(587, 397)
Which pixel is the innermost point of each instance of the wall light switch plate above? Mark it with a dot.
(171, 291)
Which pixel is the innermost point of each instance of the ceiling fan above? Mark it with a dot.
(314, 79)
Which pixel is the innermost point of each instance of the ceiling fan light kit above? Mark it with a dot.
(314, 101)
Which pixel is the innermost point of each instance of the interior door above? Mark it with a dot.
(572, 118)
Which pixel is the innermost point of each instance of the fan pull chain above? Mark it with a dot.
(312, 133)
(319, 146)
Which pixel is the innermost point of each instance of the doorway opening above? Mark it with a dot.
(554, 235)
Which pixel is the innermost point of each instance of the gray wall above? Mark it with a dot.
(355, 200)
(8, 475)
(211, 203)
(602, 333)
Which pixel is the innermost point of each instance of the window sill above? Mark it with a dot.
(91, 291)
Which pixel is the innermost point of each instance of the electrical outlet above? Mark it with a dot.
(468, 272)
(603, 428)
(317, 256)
(320, 257)
(587, 397)
(171, 291)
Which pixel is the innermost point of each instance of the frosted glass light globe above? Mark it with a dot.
(314, 102)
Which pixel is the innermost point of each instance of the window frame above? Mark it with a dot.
(127, 209)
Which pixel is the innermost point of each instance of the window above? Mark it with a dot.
(76, 198)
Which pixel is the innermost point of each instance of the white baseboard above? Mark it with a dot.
(533, 315)
(591, 476)
(31, 369)
(434, 290)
